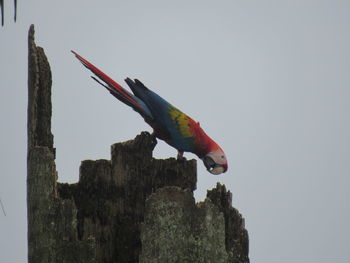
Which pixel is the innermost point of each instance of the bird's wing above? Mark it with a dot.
(179, 127)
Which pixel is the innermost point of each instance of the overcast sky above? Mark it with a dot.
(268, 80)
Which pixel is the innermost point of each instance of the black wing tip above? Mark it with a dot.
(132, 83)
(128, 80)
(140, 84)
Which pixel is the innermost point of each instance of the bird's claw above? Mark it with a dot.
(180, 155)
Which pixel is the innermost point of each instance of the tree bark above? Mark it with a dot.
(132, 208)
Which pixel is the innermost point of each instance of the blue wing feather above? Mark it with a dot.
(160, 110)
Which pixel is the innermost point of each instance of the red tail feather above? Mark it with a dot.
(110, 82)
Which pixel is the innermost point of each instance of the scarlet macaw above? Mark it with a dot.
(168, 123)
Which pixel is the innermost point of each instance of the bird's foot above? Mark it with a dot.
(180, 155)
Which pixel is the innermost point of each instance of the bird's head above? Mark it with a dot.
(215, 161)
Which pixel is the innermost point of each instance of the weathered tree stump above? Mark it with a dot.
(132, 208)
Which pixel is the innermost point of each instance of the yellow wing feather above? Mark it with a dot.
(182, 121)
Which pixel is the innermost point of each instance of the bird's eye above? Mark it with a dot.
(222, 156)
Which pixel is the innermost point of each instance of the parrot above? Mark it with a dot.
(169, 123)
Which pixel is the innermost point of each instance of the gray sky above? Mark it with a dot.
(268, 80)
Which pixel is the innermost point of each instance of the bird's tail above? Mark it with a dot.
(115, 89)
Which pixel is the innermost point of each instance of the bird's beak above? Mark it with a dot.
(212, 166)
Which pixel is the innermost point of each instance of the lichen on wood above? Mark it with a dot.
(176, 230)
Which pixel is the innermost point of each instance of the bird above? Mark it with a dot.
(169, 123)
